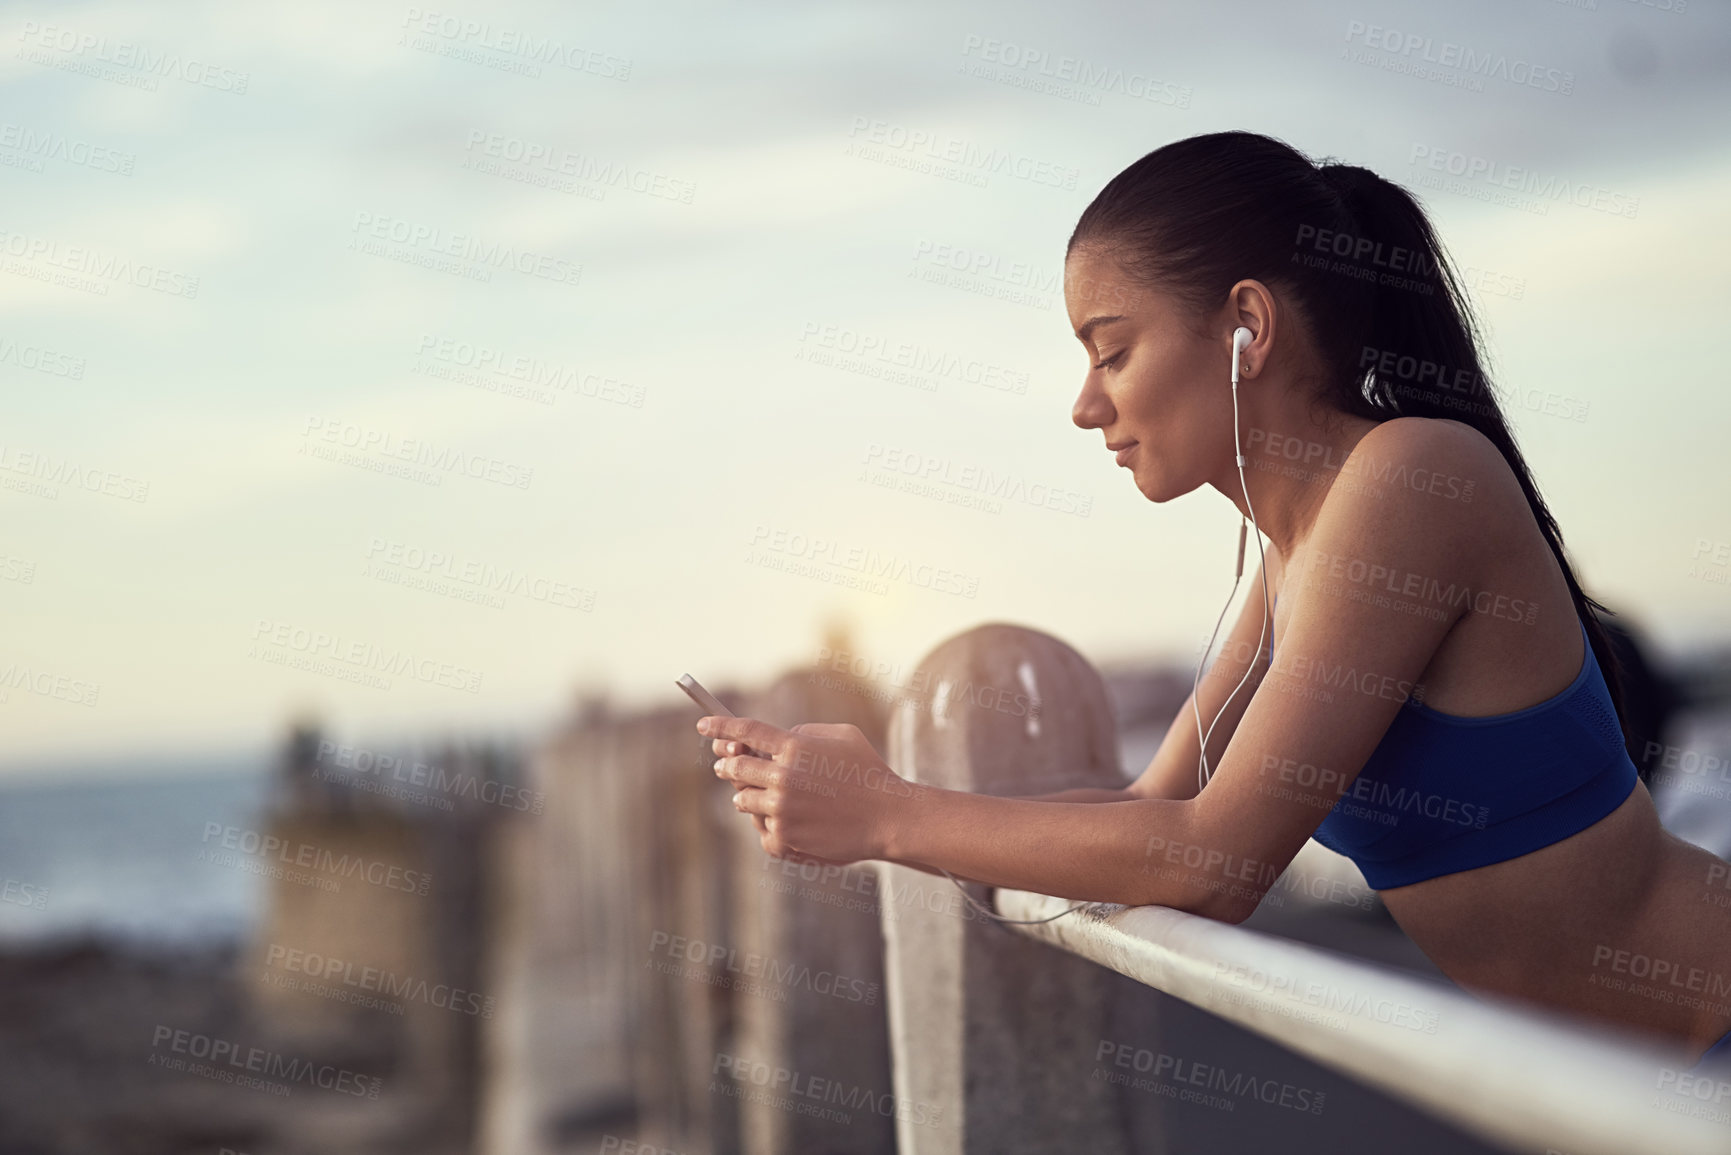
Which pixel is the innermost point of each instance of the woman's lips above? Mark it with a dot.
(1124, 453)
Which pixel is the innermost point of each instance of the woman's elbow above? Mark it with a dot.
(1229, 905)
(1232, 909)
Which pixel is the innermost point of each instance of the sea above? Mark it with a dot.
(120, 852)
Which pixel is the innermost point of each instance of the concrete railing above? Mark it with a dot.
(1530, 1082)
(661, 982)
(989, 1023)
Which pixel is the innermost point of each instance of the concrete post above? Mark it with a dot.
(811, 1020)
(995, 1037)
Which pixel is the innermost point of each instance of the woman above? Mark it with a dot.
(1438, 702)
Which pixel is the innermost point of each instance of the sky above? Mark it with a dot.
(424, 370)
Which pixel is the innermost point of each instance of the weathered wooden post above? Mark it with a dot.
(809, 1062)
(993, 1034)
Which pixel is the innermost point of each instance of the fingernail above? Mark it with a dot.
(717, 766)
(703, 725)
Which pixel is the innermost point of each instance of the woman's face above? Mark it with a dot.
(1155, 384)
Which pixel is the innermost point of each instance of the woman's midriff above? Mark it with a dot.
(1621, 922)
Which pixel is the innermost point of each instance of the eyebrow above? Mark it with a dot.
(1088, 326)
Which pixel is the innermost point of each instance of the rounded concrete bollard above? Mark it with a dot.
(995, 1037)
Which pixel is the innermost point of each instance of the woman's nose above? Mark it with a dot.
(1093, 409)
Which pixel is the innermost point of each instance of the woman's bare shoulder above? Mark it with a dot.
(1436, 470)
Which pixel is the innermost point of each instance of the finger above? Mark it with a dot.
(761, 736)
(756, 802)
(774, 844)
(823, 729)
(745, 770)
(802, 856)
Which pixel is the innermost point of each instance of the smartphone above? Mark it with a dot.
(709, 702)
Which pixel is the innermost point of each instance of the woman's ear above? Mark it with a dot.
(1251, 306)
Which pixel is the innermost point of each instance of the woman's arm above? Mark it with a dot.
(1346, 665)
(1172, 771)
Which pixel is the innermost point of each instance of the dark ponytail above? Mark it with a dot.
(1357, 259)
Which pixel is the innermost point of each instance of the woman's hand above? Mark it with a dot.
(818, 792)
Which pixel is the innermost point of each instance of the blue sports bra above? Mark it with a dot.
(1442, 793)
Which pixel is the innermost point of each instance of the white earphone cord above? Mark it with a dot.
(1000, 918)
(1203, 773)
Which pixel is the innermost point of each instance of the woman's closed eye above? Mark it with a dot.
(1108, 362)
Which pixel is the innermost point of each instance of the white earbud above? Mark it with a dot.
(1241, 338)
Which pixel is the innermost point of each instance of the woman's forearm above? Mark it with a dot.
(1112, 852)
(1082, 794)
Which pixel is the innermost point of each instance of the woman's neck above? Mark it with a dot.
(1293, 452)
